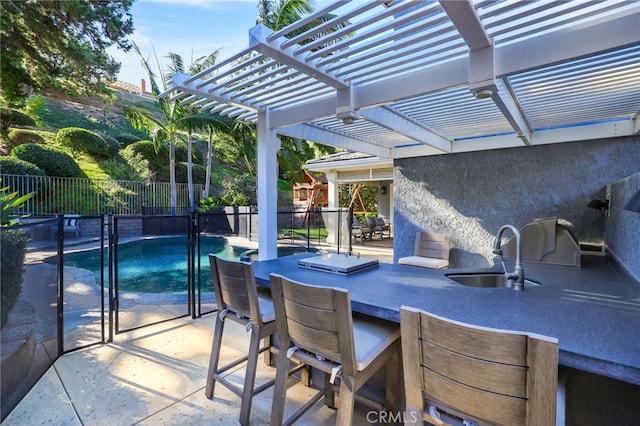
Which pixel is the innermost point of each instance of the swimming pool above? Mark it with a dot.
(157, 265)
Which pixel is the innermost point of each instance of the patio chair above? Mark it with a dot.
(71, 224)
(382, 227)
(456, 373)
(238, 300)
(430, 251)
(360, 231)
(317, 327)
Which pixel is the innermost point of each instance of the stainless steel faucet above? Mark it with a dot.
(517, 276)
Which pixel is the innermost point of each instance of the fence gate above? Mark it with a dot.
(151, 272)
(83, 301)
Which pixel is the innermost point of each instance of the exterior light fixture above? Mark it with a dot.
(348, 117)
(633, 203)
(599, 204)
(483, 93)
(383, 190)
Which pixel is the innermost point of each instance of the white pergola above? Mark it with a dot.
(415, 78)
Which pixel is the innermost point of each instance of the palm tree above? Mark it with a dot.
(194, 121)
(277, 14)
(177, 118)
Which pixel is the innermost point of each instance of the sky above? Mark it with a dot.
(190, 28)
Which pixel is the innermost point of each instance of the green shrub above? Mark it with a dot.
(20, 136)
(199, 173)
(53, 161)
(120, 170)
(12, 117)
(14, 248)
(4, 144)
(138, 164)
(15, 166)
(10, 204)
(126, 139)
(112, 143)
(159, 161)
(211, 204)
(181, 155)
(240, 190)
(83, 141)
(146, 149)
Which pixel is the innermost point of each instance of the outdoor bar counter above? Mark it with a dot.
(593, 310)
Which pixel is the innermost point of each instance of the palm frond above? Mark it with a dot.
(144, 120)
(155, 90)
(175, 65)
(204, 62)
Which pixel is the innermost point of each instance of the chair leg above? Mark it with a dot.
(268, 355)
(393, 399)
(280, 389)
(347, 402)
(215, 357)
(305, 375)
(330, 394)
(250, 375)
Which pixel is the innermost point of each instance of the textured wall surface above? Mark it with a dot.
(623, 227)
(470, 195)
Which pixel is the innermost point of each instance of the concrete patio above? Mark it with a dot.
(155, 375)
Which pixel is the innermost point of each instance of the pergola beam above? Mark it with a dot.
(258, 40)
(393, 120)
(547, 49)
(327, 137)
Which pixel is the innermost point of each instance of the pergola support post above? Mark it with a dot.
(268, 146)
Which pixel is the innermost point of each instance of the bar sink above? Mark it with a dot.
(485, 280)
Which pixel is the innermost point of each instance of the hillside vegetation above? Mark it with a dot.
(82, 137)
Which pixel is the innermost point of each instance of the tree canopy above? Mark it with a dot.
(60, 46)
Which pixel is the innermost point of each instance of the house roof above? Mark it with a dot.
(402, 79)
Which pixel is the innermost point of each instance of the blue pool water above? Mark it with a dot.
(159, 265)
(156, 265)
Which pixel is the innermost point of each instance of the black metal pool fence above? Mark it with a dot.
(63, 308)
(64, 195)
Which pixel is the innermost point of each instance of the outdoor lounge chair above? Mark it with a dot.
(360, 231)
(71, 224)
(430, 251)
(378, 226)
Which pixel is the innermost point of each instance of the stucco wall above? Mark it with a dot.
(622, 227)
(470, 195)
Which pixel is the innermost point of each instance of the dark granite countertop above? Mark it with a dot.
(593, 311)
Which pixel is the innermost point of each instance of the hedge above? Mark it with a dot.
(16, 166)
(53, 161)
(199, 173)
(14, 248)
(20, 136)
(147, 150)
(13, 117)
(126, 139)
(112, 143)
(83, 140)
